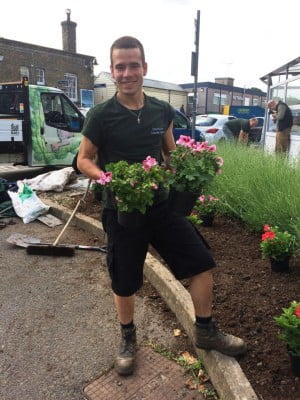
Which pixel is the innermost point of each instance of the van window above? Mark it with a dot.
(11, 103)
(60, 113)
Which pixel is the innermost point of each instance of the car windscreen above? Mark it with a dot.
(205, 121)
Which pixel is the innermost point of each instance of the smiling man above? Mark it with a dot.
(132, 126)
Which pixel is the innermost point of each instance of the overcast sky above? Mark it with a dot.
(240, 39)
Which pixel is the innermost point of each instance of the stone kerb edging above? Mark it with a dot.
(225, 372)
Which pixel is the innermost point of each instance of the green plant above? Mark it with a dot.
(134, 185)
(289, 321)
(194, 165)
(257, 186)
(276, 244)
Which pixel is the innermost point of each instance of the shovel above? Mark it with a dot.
(24, 241)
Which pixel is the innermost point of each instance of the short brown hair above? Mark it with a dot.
(127, 42)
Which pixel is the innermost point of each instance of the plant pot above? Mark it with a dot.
(280, 265)
(182, 203)
(98, 195)
(295, 363)
(207, 219)
(134, 219)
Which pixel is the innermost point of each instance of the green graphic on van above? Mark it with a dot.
(55, 127)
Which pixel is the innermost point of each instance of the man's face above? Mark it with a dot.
(128, 70)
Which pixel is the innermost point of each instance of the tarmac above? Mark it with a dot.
(225, 372)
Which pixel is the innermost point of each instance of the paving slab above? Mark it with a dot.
(155, 378)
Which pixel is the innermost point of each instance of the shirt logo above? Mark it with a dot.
(157, 131)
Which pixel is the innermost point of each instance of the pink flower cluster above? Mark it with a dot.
(198, 147)
(211, 198)
(148, 163)
(104, 177)
(186, 141)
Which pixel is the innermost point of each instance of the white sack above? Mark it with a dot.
(53, 180)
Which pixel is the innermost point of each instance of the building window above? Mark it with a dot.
(40, 76)
(219, 99)
(190, 98)
(71, 89)
(255, 101)
(24, 71)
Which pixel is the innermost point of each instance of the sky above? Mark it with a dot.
(243, 40)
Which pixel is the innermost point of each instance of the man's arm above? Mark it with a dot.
(168, 144)
(86, 159)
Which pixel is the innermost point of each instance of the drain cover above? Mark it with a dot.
(155, 377)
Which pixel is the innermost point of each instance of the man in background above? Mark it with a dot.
(282, 116)
(238, 129)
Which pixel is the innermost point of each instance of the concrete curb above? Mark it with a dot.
(225, 372)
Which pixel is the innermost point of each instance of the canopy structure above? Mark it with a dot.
(284, 72)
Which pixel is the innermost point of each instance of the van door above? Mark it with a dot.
(57, 132)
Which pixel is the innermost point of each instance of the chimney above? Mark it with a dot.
(225, 81)
(69, 33)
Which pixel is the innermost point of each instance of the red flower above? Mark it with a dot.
(297, 312)
(267, 235)
(266, 228)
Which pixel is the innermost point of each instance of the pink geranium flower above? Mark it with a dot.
(104, 177)
(297, 312)
(220, 161)
(185, 141)
(148, 163)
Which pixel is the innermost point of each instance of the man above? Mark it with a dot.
(238, 129)
(282, 115)
(131, 126)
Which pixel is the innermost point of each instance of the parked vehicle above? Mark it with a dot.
(211, 125)
(255, 133)
(183, 126)
(39, 125)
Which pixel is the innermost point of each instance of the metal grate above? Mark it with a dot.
(155, 378)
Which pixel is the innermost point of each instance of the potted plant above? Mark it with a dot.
(289, 322)
(193, 166)
(134, 186)
(278, 246)
(97, 189)
(205, 208)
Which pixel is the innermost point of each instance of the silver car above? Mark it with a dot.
(211, 125)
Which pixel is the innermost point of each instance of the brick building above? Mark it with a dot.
(66, 69)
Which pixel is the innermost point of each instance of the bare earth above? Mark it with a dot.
(247, 297)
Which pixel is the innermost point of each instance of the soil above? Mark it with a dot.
(247, 295)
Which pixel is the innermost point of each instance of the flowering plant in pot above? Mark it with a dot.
(193, 166)
(134, 185)
(276, 244)
(205, 208)
(289, 322)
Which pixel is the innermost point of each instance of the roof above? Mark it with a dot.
(290, 68)
(150, 83)
(213, 85)
(10, 42)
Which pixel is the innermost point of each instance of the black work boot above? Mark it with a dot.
(210, 337)
(124, 363)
